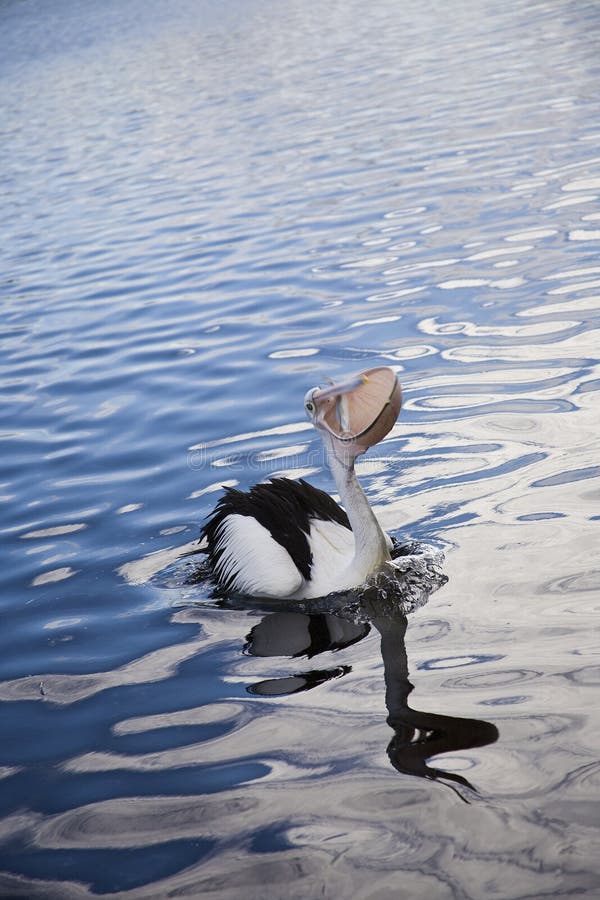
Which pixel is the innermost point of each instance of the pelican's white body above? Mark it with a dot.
(247, 556)
(264, 568)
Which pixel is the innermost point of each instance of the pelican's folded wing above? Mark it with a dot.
(248, 560)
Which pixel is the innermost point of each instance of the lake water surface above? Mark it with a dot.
(208, 208)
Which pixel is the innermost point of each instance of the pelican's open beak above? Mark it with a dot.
(361, 410)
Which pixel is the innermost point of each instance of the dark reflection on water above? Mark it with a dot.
(417, 735)
(421, 735)
(292, 684)
(299, 634)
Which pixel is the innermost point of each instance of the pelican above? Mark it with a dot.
(289, 540)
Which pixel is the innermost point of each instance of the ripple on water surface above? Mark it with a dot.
(207, 210)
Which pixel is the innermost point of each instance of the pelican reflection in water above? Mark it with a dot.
(418, 736)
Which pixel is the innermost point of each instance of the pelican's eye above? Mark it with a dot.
(309, 406)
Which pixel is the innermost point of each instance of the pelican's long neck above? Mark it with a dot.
(370, 546)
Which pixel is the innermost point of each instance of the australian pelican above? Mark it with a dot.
(288, 539)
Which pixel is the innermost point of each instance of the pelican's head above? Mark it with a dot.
(358, 412)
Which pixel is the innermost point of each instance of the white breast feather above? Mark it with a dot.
(262, 567)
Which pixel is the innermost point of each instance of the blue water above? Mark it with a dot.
(208, 208)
